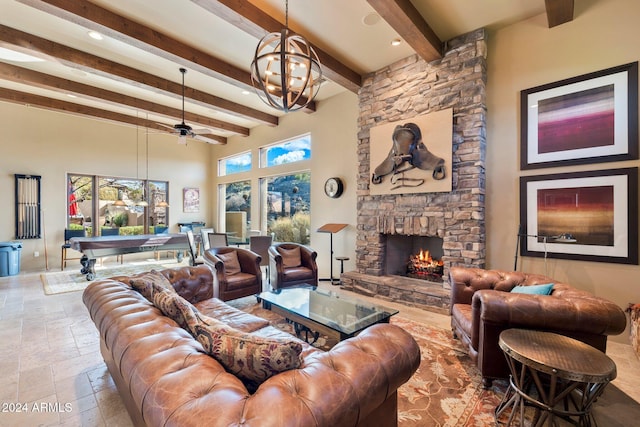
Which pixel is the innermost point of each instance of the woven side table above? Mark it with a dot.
(558, 376)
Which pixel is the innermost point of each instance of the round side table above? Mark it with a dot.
(558, 376)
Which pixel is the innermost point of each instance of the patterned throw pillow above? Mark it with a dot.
(251, 358)
(231, 263)
(290, 257)
(146, 283)
(177, 308)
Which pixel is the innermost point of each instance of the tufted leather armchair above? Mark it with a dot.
(285, 274)
(231, 284)
(482, 306)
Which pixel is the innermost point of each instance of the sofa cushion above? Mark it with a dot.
(251, 358)
(231, 316)
(534, 289)
(148, 282)
(231, 263)
(290, 257)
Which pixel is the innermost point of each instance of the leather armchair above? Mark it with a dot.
(287, 269)
(482, 306)
(237, 272)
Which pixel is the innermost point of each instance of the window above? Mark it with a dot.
(104, 203)
(291, 151)
(80, 210)
(234, 164)
(288, 200)
(237, 211)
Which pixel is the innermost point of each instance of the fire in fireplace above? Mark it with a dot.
(423, 266)
(414, 256)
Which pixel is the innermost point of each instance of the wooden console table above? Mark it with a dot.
(558, 376)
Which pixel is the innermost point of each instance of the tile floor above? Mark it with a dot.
(52, 372)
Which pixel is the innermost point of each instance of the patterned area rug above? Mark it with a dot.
(446, 390)
(59, 282)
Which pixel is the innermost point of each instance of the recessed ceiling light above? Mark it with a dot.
(95, 35)
(371, 19)
(396, 42)
(70, 95)
(12, 55)
(245, 92)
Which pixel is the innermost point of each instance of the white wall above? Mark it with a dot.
(51, 144)
(603, 34)
(333, 130)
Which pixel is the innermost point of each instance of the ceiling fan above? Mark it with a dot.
(182, 129)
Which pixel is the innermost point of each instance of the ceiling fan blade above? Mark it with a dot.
(205, 139)
(201, 131)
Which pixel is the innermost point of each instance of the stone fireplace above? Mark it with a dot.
(388, 224)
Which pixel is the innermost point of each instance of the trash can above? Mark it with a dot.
(10, 258)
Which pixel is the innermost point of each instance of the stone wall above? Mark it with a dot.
(401, 91)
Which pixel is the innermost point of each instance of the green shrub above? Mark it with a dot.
(292, 229)
(120, 219)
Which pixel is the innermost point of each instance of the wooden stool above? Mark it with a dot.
(558, 376)
(342, 259)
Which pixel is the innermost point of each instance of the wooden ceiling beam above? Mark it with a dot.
(559, 11)
(74, 58)
(34, 78)
(257, 23)
(405, 19)
(29, 99)
(135, 34)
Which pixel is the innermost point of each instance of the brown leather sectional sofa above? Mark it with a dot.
(166, 379)
(482, 306)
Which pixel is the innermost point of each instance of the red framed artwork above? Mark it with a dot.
(589, 216)
(591, 118)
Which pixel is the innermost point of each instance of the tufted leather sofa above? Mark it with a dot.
(165, 378)
(482, 306)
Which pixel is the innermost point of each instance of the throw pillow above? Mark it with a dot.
(251, 358)
(290, 257)
(534, 289)
(145, 283)
(231, 263)
(177, 308)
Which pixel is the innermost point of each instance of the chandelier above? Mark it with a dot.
(285, 70)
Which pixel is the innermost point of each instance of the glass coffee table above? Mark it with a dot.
(315, 312)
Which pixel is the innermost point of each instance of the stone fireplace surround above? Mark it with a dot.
(409, 88)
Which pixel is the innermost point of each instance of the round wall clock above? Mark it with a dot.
(333, 187)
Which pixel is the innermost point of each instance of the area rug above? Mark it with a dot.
(446, 390)
(59, 282)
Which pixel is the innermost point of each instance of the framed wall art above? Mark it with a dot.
(413, 155)
(590, 216)
(191, 200)
(591, 118)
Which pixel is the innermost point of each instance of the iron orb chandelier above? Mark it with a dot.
(285, 70)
